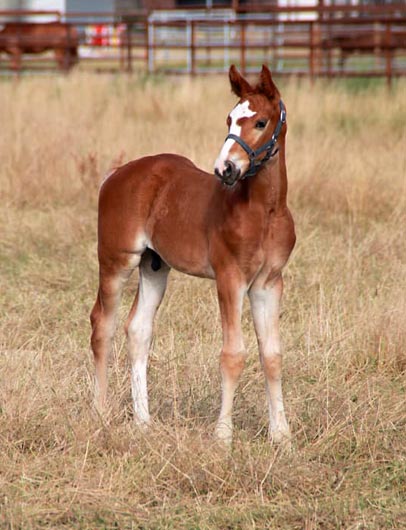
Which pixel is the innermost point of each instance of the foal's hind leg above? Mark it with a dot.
(265, 310)
(151, 289)
(102, 319)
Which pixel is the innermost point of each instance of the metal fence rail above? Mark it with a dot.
(329, 48)
(317, 42)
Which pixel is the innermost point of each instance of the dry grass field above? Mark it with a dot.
(343, 320)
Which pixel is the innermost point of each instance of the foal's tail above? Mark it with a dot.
(156, 262)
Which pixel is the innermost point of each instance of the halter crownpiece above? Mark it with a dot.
(268, 147)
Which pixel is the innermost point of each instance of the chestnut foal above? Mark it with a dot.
(162, 211)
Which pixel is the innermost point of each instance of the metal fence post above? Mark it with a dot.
(150, 46)
(311, 58)
(129, 47)
(145, 43)
(189, 58)
(193, 47)
(226, 33)
(242, 47)
(387, 41)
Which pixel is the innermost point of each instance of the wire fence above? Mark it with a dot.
(313, 41)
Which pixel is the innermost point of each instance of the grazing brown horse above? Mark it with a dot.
(17, 38)
(365, 42)
(162, 211)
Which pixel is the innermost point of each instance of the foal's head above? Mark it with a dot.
(254, 125)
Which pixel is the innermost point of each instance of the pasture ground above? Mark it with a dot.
(343, 320)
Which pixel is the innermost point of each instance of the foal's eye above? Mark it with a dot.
(261, 124)
(228, 121)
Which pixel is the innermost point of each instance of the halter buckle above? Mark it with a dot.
(283, 115)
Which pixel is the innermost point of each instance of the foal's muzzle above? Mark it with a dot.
(231, 173)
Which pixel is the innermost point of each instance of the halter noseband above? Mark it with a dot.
(268, 147)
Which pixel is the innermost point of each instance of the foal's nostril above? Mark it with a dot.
(230, 168)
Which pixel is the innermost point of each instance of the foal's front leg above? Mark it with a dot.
(265, 303)
(231, 295)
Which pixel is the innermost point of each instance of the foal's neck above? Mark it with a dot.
(269, 186)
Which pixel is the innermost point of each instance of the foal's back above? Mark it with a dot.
(159, 202)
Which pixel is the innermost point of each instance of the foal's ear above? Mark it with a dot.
(239, 85)
(266, 84)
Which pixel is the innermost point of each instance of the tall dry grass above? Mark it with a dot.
(343, 320)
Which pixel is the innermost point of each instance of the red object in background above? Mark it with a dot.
(104, 34)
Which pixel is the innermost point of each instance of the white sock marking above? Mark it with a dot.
(151, 289)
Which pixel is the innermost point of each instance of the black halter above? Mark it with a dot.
(268, 147)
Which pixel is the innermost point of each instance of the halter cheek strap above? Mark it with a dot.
(268, 147)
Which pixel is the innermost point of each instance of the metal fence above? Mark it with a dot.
(313, 41)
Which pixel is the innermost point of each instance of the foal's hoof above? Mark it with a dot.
(100, 406)
(224, 434)
(282, 438)
(142, 425)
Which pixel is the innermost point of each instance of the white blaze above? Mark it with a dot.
(242, 110)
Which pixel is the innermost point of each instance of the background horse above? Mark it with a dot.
(162, 212)
(17, 38)
(365, 42)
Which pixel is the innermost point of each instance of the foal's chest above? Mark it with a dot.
(278, 242)
(269, 253)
